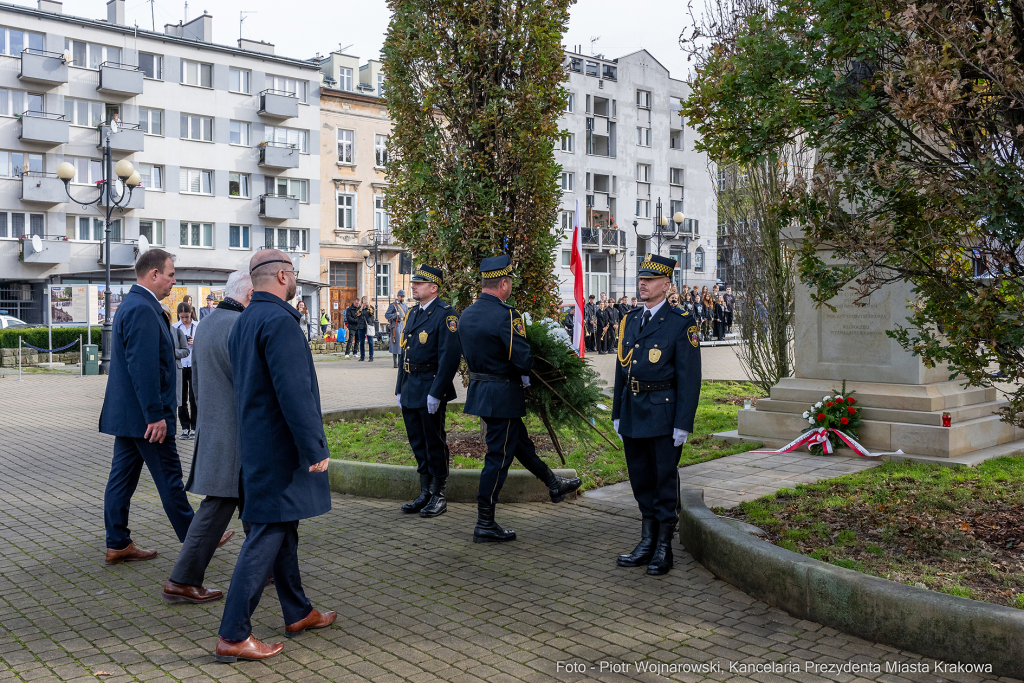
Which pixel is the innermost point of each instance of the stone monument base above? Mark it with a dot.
(905, 417)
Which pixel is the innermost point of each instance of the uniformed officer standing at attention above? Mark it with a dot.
(498, 355)
(657, 386)
(431, 351)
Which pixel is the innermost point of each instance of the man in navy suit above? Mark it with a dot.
(283, 453)
(138, 408)
(430, 357)
(657, 386)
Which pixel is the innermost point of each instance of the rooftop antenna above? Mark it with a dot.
(186, 11)
(152, 13)
(593, 39)
(342, 49)
(241, 18)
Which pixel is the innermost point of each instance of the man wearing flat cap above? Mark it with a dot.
(431, 352)
(395, 315)
(657, 385)
(498, 355)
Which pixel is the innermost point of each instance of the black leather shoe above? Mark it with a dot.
(643, 551)
(438, 505)
(422, 499)
(661, 561)
(559, 487)
(487, 530)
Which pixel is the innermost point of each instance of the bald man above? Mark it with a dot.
(283, 453)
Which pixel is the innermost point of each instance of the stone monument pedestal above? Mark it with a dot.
(902, 400)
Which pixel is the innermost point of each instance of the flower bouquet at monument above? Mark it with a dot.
(832, 417)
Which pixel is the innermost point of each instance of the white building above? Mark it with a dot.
(194, 117)
(627, 148)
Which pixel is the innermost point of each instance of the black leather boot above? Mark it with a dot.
(437, 504)
(422, 499)
(559, 487)
(661, 561)
(487, 530)
(643, 551)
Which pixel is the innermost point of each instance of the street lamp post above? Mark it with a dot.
(130, 179)
(373, 265)
(662, 234)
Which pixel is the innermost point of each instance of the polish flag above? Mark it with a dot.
(576, 267)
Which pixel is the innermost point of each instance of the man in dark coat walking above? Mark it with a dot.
(138, 408)
(284, 458)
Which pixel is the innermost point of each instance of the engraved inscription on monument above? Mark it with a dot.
(855, 335)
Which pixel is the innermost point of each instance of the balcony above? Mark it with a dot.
(278, 155)
(49, 129)
(602, 238)
(129, 138)
(279, 104)
(44, 188)
(137, 201)
(279, 206)
(48, 68)
(120, 79)
(54, 250)
(122, 254)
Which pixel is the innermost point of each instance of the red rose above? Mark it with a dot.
(851, 410)
(839, 400)
(852, 400)
(844, 421)
(821, 417)
(829, 404)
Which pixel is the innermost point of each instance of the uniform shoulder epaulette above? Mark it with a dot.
(681, 312)
(511, 308)
(635, 309)
(444, 305)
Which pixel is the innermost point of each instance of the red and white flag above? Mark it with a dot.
(576, 267)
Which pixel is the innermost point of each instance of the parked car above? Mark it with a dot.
(10, 322)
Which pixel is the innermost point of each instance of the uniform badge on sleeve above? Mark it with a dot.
(694, 335)
(517, 325)
(452, 322)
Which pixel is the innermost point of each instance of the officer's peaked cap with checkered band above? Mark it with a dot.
(428, 274)
(654, 265)
(496, 266)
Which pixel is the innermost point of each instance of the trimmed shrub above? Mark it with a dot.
(37, 336)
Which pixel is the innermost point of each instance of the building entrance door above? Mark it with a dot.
(343, 290)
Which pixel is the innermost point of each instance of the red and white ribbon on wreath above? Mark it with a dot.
(819, 436)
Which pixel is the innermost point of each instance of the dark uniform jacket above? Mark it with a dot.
(604, 320)
(494, 343)
(142, 387)
(429, 340)
(668, 350)
(277, 403)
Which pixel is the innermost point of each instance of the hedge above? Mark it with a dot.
(38, 336)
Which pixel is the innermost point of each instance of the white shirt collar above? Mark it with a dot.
(424, 307)
(149, 292)
(655, 309)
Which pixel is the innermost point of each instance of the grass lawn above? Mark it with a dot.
(957, 530)
(382, 439)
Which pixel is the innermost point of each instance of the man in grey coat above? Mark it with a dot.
(215, 463)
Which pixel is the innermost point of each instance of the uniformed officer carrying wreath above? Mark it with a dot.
(657, 385)
(498, 355)
(431, 351)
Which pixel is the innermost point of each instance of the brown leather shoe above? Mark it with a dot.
(225, 538)
(176, 592)
(313, 620)
(250, 648)
(129, 554)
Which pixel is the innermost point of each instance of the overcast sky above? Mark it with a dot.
(304, 28)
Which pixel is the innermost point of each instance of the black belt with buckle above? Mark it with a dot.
(636, 386)
(413, 367)
(484, 377)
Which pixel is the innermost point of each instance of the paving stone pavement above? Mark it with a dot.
(418, 601)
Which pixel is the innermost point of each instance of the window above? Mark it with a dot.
(566, 258)
(675, 139)
(380, 84)
(741, 178)
(286, 238)
(566, 143)
(698, 260)
(239, 133)
(643, 136)
(152, 176)
(151, 121)
(152, 231)
(381, 222)
(196, 73)
(291, 86)
(238, 237)
(13, 224)
(15, 40)
(592, 69)
(691, 225)
(82, 112)
(346, 146)
(643, 99)
(342, 274)
(294, 137)
(90, 229)
(675, 176)
(345, 79)
(383, 279)
(15, 102)
(196, 181)
(152, 65)
(291, 187)
(721, 179)
(196, 127)
(675, 206)
(643, 173)
(346, 212)
(608, 71)
(380, 150)
(567, 221)
(643, 208)
(196, 234)
(14, 164)
(238, 80)
(87, 171)
(89, 55)
(570, 103)
(238, 185)
(567, 182)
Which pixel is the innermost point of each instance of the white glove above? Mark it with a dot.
(526, 380)
(679, 437)
(398, 397)
(432, 404)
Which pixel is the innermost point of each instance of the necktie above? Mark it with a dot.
(646, 319)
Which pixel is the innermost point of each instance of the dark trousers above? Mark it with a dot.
(653, 465)
(165, 467)
(204, 534)
(350, 342)
(187, 410)
(720, 330)
(362, 339)
(268, 548)
(507, 439)
(428, 439)
(590, 339)
(728, 321)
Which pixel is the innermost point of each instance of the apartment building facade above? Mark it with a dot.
(227, 140)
